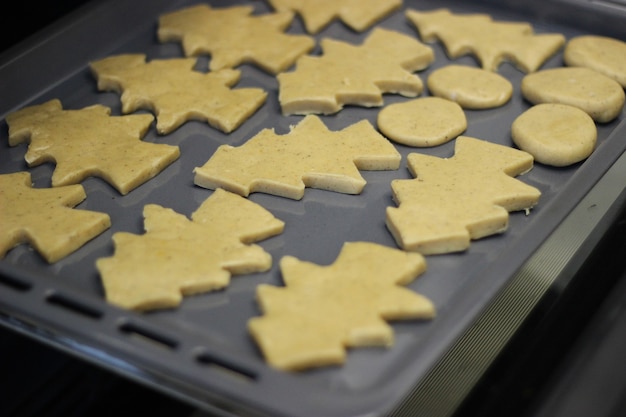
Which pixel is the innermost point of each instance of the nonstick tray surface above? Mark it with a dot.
(201, 351)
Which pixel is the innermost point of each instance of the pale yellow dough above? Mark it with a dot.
(235, 35)
(491, 42)
(359, 15)
(470, 87)
(555, 134)
(176, 92)
(422, 122)
(596, 94)
(603, 54)
(325, 309)
(116, 152)
(452, 201)
(354, 74)
(178, 256)
(309, 155)
(45, 218)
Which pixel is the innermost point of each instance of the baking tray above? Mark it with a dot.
(201, 352)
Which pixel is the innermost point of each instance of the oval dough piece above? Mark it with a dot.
(555, 134)
(422, 122)
(603, 54)
(471, 88)
(596, 94)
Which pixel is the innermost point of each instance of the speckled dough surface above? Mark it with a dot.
(491, 42)
(234, 35)
(155, 270)
(342, 305)
(116, 152)
(45, 217)
(354, 74)
(555, 134)
(596, 94)
(310, 155)
(470, 87)
(603, 54)
(454, 200)
(422, 122)
(176, 92)
(359, 15)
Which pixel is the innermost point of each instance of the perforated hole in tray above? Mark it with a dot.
(150, 335)
(225, 366)
(73, 305)
(15, 283)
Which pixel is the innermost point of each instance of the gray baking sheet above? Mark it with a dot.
(201, 351)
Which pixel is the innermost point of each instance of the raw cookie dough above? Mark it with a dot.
(470, 87)
(452, 201)
(359, 15)
(178, 256)
(491, 42)
(234, 35)
(45, 217)
(176, 93)
(603, 54)
(325, 309)
(422, 122)
(309, 155)
(354, 74)
(116, 152)
(555, 134)
(596, 94)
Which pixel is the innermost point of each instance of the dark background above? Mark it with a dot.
(27, 17)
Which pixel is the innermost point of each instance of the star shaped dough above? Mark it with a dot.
(357, 14)
(453, 200)
(233, 36)
(310, 155)
(491, 42)
(354, 74)
(323, 310)
(177, 256)
(176, 92)
(45, 218)
(89, 142)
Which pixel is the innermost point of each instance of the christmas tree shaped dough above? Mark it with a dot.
(115, 154)
(177, 93)
(358, 75)
(233, 36)
(310, 155)
(491, 42)
(177, 256)
(453, 200)
(45, 218)
(323, 310)
(357, 14)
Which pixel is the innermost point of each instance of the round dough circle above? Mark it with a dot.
(596, 94)
(422, 122)
(472, 88)
(555, 134)
(603, 54)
